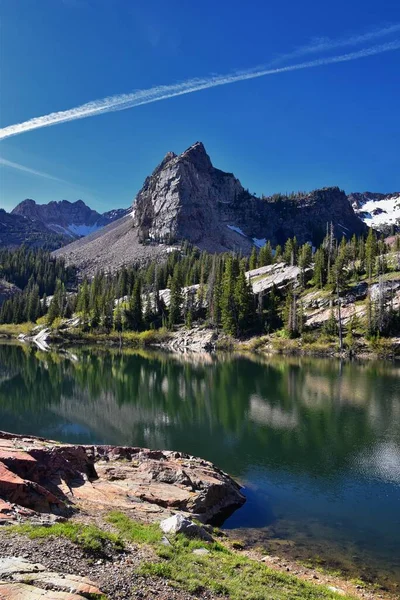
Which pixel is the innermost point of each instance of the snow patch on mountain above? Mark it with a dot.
(237, 229)
(259, 242)
(81, 230)
(377, 210)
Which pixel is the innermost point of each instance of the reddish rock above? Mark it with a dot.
(23, 591)
(54, 478)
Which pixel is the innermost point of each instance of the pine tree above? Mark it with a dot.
(54, 310)
(278, 253)
(289, 252)
(371, 250)
(320, 271)
(244, 303)
(291, 314)
(228, 319)
(176, 299)
(305, 258)
(33, 304)
(83, 302)
(265, 256)
(134, 313)
(253, 259)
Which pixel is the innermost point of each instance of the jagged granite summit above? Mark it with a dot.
(187, 198)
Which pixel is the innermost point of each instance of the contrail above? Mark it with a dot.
(324, 44)
(8, 163)
(156, 94)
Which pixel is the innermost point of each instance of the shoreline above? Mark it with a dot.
(17, 454)
(202, 339)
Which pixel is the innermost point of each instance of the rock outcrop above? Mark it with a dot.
(43, 479)
(187, 198)
(22, 579)
(7, 290)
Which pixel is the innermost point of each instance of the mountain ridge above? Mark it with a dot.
(53, 224)
(187, 198)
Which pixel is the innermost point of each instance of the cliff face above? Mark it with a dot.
(187, 198)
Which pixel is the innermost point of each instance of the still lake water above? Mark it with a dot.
(316, 443)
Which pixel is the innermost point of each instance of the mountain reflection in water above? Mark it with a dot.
(315, 442)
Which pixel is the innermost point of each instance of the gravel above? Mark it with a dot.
(114, 575)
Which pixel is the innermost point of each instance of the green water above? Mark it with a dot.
(316, 443)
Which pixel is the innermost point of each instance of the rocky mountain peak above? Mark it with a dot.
(26, 208)
(198, 156)
(186, 197)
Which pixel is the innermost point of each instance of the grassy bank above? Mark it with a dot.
(135, 339)
(311, 343)
(220, 570)
(316, 344)
(12, 331)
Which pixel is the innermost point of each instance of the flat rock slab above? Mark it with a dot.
(15, 564)
(23, 580)
(22, 591)
(38, 476)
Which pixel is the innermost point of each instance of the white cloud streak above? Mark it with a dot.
(163, 92)
(324, 44)
(12, 165)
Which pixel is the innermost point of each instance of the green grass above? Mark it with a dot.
(134, 531)
(135, 339)
(222, 571)
(12, 330)
(89, 537)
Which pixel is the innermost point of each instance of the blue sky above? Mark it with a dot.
(336, 124)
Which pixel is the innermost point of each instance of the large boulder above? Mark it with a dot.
(57, 479)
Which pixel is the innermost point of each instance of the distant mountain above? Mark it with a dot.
(52, 225)
(187, 198)
(380, 211)
(16, 230)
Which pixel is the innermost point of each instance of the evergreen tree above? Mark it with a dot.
(371, 249)
(176, 300)
(253, 262)
(244, 303)
(291, 314)
(134, 312)
(305, 259)
(228, 319)
(265, 256)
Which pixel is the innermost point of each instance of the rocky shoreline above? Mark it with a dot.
(44, 480)
(50, 484)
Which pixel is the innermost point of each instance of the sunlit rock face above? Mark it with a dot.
(187, 198)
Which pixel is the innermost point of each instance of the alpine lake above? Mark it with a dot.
(314, 442)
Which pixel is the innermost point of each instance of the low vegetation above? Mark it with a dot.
(90, 538)
(222, 571)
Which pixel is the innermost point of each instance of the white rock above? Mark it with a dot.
(332, 588)
(180, 524)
